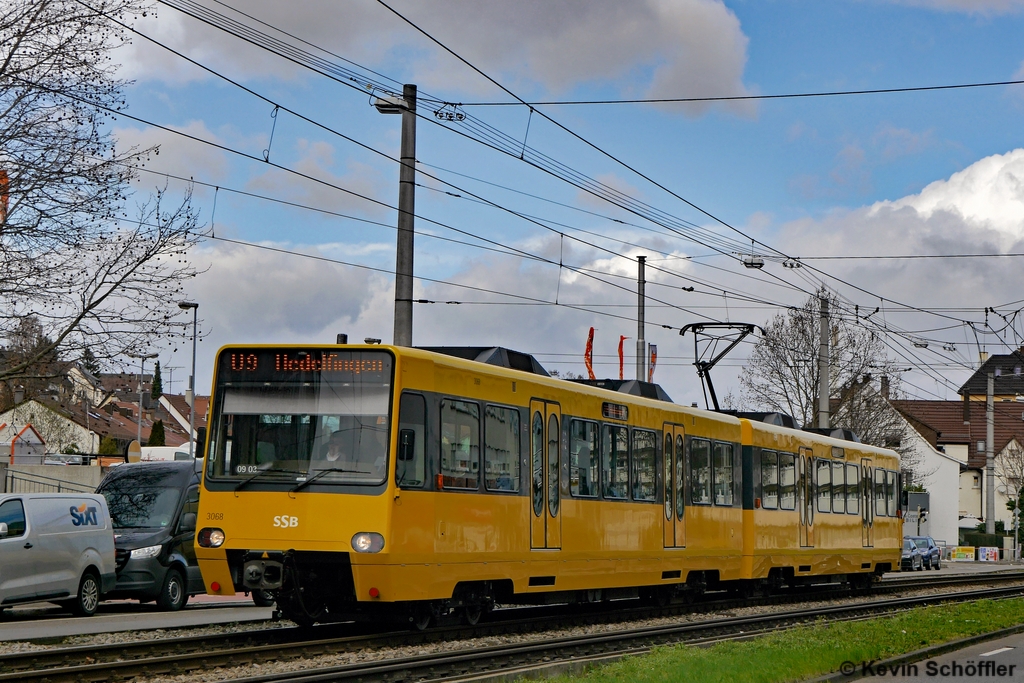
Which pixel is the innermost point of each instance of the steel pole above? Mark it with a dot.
(406, 216)
(823, 366)
(641, 344)
(192, 386)
(142, 373)
(990, 467)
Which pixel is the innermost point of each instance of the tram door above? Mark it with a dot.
(867, 504)
(545, 438)
(673, 486)
(805, 489)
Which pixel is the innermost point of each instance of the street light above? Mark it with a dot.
(191, 397)
(406, 106)
(142, 374)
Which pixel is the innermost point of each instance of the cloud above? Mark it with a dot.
(178, 155)
(893, 142)
(975, 211)
(317, 160)
(987, 196)
(982, 7)
(658, 48)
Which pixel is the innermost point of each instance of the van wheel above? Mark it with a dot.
(172, 594)
(263, 598)
(88, 598)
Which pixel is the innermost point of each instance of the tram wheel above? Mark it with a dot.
(471, 614)
(422, 617)
(293, 610)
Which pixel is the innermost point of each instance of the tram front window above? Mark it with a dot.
(322, 422)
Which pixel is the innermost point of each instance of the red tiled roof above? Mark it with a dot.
(942, 422)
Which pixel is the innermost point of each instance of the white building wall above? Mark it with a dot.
(970, 494)
(940, 476)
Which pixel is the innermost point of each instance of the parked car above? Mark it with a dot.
(153, 508)
(931, 554)
(911, 558)
(56, 547)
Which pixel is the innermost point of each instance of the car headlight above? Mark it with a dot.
(367, 542)
(211, 538)
(147, 552)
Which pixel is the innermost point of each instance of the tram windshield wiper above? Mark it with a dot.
(303, 484)
(246, 482)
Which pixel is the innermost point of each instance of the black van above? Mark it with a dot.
(153, 508)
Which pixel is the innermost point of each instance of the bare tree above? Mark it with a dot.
(1010, 470)
(93, 271)
(782, 375)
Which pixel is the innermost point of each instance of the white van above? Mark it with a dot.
(165, 453)
(56, 547)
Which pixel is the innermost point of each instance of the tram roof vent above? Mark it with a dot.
(629, 386)
(835, 433)
(492, 355)
(776, 418)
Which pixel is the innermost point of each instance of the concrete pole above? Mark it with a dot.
(990, 467)
(823, 366)
(406, 226)
(641, 344)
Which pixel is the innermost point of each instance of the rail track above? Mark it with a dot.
(175, 656)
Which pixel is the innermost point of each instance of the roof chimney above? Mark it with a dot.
(885, 387)
(983, 355)
(19, 394)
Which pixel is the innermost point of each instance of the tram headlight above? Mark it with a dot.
(211, 538)
(367, 542)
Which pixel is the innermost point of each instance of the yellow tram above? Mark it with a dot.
(390, 482)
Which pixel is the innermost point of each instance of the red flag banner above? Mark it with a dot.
(654, 361)
(588, 355)
(621, 339)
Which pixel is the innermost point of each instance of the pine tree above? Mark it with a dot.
(90, 364)
(156, 434)
(158, 385)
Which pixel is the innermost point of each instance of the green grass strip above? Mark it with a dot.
(809, 651)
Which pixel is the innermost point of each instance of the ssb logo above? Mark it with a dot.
(83, 515)
(286, 521)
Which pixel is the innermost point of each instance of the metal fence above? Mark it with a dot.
(23, 482)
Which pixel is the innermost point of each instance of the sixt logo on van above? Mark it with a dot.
(83, 515)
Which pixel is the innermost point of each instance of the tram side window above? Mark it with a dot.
(460, 444)
(645, 445)
(412, 417)
(838, 487)
(787, 481)
(853, 489)
(615, 462)
(879, 492)
(583, 458)
(501, 448)
(769, 480)
(700, 472)
(890, 492)
(823, 479)
(723, 474)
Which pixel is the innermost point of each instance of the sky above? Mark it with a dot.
(517, 244)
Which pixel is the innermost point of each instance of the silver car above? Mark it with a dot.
(55, 547)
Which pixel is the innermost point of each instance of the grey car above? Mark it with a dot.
(931, 554)
(910, 559)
